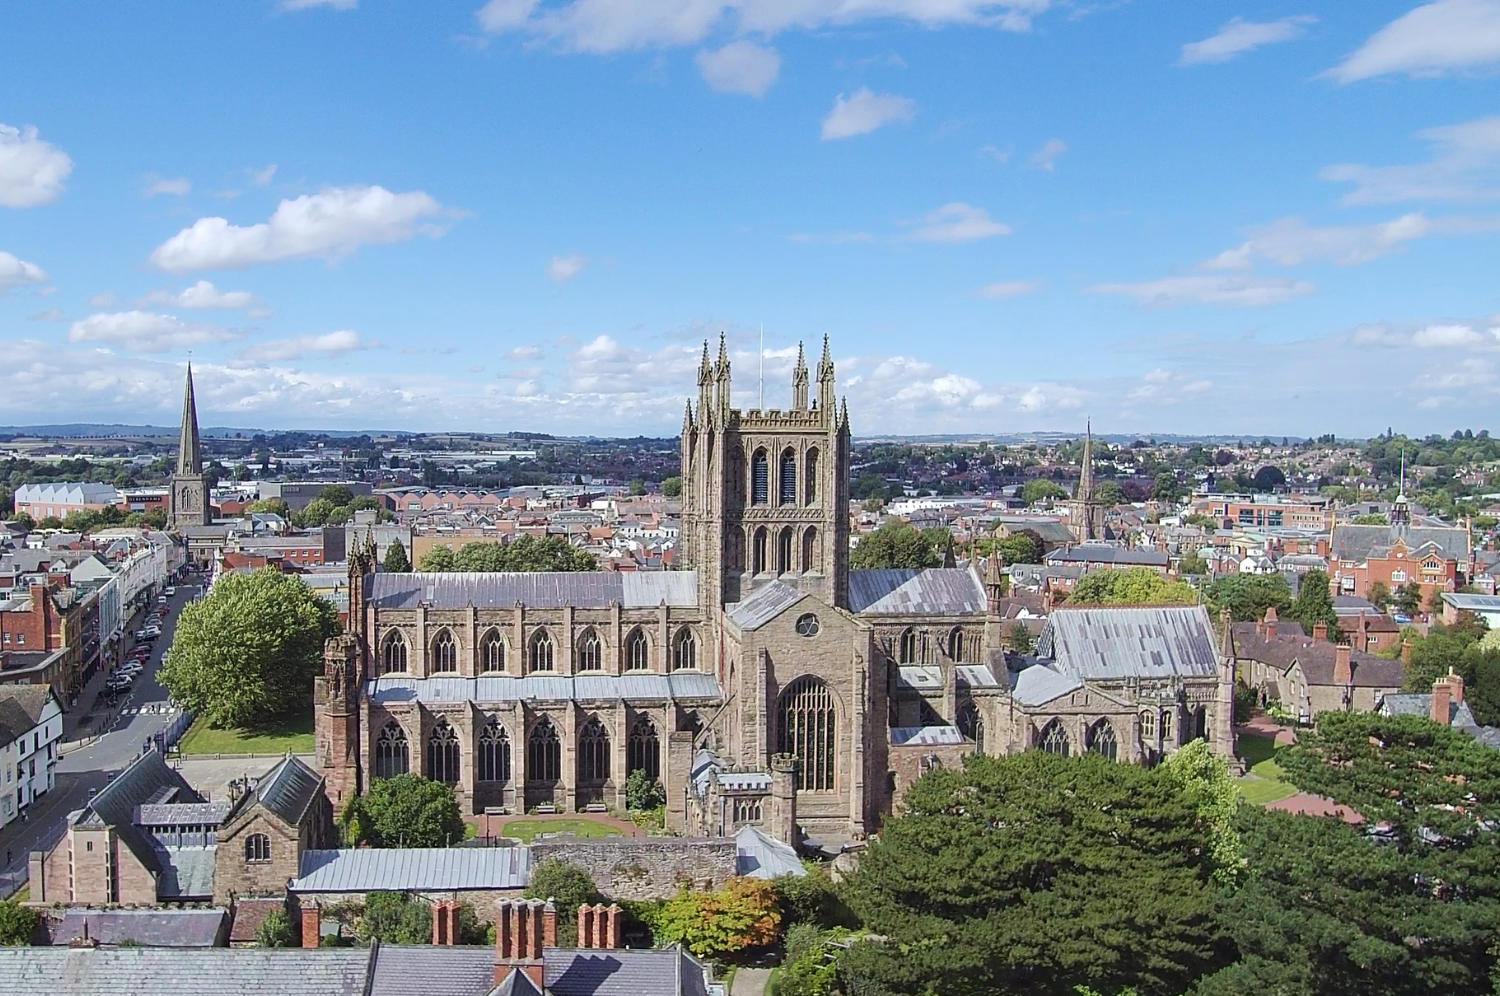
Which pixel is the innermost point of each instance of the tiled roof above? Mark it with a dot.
(133, 971)
(1316, 657)
(172, 928)
(936, 591)
(413, 869)
(1130, 642)
(546, 688)
(542, 590)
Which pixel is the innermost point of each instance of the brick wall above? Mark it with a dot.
(645, 867)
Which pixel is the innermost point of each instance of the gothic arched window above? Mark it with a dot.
(593, 753)
(787, 478)
(734, 549)
(971, 724)
(1102, 740)
(759, 566)
(784, 563)
(637, 651)
(810, 487)
(808, 732)
(684, 651)
(1054, 739)
(643, 748)
(444, 652)
(809, 549)
(736, 477)
(391, 755)
(760, 479)
(589, 653)
(257, 848)
(494, 753)
(541, 651)
(909, 646)
(442, 754)
(956, 644)
(393, 653)
(1200, 723)
(1166, 725)
(543, 753)
(492, 652)
(1148, 725)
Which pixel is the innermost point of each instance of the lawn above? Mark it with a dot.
(527, 829)
(1264, 783)
(292, 733)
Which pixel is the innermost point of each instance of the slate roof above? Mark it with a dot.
(634, 972)
(1130, 642)
(182, 813)
(115, 805)
(133, 971)
(286, 790)
(1100, 553)
(538, 589)
(1420, 704)
(413, 869)
(190, 928)
(546, 688)
(906, 736)
(425, 970)
(764, 604)
(21, 709)
(1352, 542)
(763, 856)
(185, 872)
(934, 591)
(1317, 658)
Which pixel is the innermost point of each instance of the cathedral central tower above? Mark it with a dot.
(765, 493)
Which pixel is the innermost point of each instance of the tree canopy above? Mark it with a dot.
(898, 543)
(569, 887)
(1022, 547)
(743, 914)
(1314, 602)
(396, 560)
(525, 553)
(404, 811)
(1247, 596)
(1040, 489)
(1034, 874)
(248, 651)
(1133, 586)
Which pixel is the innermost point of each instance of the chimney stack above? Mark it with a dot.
(1269, 624)
(1343, 665)
(1456, 685)
(444, 923)
(1441, 697)
(311, 922)
(522, 928)
(599, 926)
(1320, 632)
(1406, 653)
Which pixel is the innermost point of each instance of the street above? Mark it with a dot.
(135, 718)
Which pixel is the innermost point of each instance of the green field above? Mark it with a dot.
(1264, 783)
(527, 829)
(293, 733)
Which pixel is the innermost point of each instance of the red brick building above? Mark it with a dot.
(1437, 559)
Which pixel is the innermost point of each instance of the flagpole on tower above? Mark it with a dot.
(762, 366)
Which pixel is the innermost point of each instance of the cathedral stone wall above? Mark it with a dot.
(645, 867)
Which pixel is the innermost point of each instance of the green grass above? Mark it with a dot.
(291, 733)
(527, 829)
(1264, 782)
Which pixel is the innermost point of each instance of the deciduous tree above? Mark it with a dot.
(743, 914)
(896, 544)
(248, 650)
(404, 811)
(1314, 603)
(1247, 596)
(1133, 586)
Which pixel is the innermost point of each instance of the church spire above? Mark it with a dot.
(721, 374)
(825, 379)
(1086, 475)
(189, 460)
(799, 382)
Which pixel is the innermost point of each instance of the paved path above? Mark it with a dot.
(750, 981)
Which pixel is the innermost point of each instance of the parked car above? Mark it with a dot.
(171, 590)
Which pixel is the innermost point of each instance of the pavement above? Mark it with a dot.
(750, 981)
(87, 765)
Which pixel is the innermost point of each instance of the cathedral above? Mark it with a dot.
(761, 683)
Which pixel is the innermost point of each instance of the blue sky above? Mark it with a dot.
(527, 214)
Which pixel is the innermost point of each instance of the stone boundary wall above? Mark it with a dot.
(646, 867)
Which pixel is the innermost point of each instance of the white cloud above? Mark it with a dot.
(146, 332)
(1290, 241)
(1468, 373)
(561, 269)
(161, 185)
(605, 26)
(16, 272)
(1433, 39)
(49, 315)
(865, 111)
(1465, 166)
(201, 295)
(520, 353)
(104, 299)
(1009, 288)
(262, 177)
(740, 67)
(307, 4)
(1240, 36)
(1247, 290)
(330, 224)
(327, 344)
(31, 171)
(956, 222)
(1048, 154)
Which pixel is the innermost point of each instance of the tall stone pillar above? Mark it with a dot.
(781, 821)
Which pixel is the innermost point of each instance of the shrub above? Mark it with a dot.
(275, 931)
